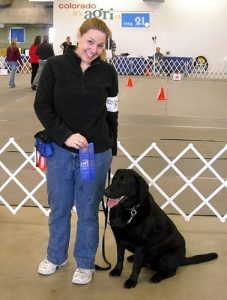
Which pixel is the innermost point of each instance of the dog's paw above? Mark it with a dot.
(129, 283)
(157, 277)
(115, 272)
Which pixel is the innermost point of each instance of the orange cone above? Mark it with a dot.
(42, 163)
(161, 94)
(129, 82)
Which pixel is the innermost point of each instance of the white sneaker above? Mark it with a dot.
(47, 268)
(82, 276)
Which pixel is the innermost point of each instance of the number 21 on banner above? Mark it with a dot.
(141, 22)
(135, 20)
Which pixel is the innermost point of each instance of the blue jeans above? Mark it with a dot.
(66, 189)
(13, 65)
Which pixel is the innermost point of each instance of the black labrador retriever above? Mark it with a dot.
(143, 228)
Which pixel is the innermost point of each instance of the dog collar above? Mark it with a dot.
(133, 213)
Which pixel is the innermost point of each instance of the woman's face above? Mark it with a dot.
(90, 45)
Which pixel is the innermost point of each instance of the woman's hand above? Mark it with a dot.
(76, 141)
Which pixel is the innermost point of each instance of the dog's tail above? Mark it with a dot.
(198, 259)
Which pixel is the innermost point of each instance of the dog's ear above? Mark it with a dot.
(143, 187)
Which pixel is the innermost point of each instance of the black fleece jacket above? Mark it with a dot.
(69, 101)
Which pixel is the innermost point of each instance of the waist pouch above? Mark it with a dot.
(43, 144)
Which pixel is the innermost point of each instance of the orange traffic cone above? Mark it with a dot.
(42, 163)
(129, 82)
(147, 71)
(161, 94)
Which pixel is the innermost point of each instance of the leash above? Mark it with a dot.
(105, 210)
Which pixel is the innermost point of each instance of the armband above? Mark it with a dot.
(112, 104)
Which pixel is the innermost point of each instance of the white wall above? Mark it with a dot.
(183, 27)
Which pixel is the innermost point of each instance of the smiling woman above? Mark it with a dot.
(92, 37)
(76, 101)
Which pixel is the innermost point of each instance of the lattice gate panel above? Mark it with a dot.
(9, 176)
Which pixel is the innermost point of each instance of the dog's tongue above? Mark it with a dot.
(112, 202)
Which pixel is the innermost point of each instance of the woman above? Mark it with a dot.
(13, 56)
(65, 44)
(76, 102)
(34, 58)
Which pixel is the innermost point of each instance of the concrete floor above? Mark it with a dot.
(23, 244)
(195, 111)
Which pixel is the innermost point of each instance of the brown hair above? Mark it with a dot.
(103, 54)
(37, 40)
(97, 24)
(14, 43)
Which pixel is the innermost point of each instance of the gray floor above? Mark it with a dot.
(195, 111)
(23, 243)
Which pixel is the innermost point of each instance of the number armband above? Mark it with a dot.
(112, 104)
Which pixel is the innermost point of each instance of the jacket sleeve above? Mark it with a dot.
(9, 52)
(112, 111)
(37, 51)
(52, 51)
(19, 57)
(56, 129)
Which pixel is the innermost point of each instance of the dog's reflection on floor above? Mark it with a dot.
(143, 228)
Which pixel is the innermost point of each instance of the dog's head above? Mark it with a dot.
(126, 191)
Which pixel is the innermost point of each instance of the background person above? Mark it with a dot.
(65, 44)
(158, 55)
(13, 56)
(34, 58)
(158, 61)
(76, 102)
(111, 45)
(44, 51)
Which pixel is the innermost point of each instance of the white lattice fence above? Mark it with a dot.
(168, 67)
(144, 66)
(24, 69)
(12, 176)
